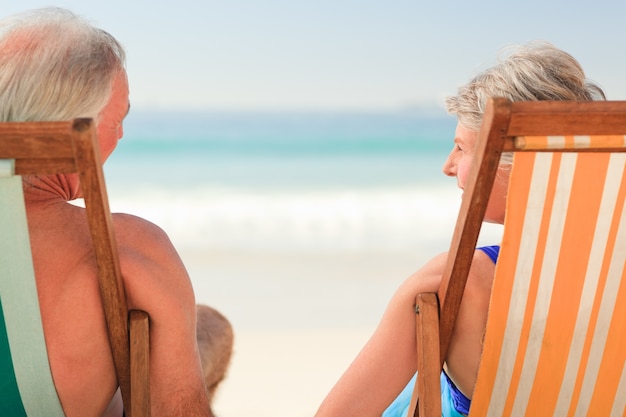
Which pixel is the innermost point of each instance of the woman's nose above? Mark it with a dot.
(449, 167)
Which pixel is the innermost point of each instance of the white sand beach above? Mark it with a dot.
(299, 320)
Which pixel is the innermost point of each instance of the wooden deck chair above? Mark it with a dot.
(555, 343)
(43, 148)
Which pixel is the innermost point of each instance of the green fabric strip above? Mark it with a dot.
(10, 400)
(21, 306)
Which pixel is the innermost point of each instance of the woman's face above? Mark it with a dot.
(459, 163)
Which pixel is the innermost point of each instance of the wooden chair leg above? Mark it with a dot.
(139, 327)
(426, 399)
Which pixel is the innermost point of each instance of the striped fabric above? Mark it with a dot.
(570, 142)
(555, 342)
(26, 385)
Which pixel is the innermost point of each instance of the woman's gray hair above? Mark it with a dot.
(54, 65)
(532, 72)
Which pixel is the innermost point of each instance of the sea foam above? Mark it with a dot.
(384, 219)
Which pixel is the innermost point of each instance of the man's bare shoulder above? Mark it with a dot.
(141, 237)
(148, 258)
(134, 229)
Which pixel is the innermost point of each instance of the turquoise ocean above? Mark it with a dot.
(289, 181)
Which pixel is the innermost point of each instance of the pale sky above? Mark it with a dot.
(338, 54)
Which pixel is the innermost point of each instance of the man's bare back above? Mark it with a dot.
(72, 314)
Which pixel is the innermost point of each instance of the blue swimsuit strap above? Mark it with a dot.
(460, 402)
(491, 251)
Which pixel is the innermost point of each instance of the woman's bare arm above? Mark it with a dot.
(388, 360)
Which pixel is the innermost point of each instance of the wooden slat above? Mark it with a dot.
(43, 140)
(564, 118)
(38, 147)
(44, 166)
(428, 396)
(139, 324)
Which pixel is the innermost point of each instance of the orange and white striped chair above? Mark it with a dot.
(555, 343)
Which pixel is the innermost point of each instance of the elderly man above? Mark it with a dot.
(56, 66)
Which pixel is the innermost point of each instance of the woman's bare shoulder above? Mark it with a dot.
(429, 276)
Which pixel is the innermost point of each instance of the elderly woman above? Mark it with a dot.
(387, 362)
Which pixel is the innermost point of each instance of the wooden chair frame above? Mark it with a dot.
(48, 148)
